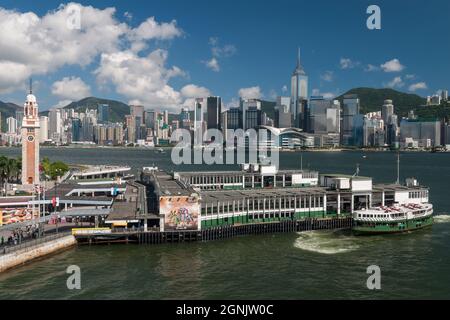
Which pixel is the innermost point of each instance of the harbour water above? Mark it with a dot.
(318, 264)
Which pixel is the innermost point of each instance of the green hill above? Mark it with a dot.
(372, 99)
(7, 109)
(117, 112)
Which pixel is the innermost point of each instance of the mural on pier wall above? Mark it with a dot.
(8, 216)
(180, 212)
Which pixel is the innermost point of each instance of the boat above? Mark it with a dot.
(393, 219)
(161, 150)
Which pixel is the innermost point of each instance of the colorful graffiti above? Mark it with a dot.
(180, 212)
(14, 215)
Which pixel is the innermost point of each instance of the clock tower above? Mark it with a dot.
(30, 141)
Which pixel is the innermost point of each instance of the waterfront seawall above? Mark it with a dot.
(21, 256)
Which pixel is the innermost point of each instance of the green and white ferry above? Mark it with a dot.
(393, 219)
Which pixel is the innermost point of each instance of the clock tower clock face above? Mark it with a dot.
(30, 138)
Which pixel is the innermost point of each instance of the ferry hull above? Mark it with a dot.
(399, 227)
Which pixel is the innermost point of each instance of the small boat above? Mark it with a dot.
(161, 150)
(393, 219)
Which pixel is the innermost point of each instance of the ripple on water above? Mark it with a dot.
(326, 242)
(442, 218)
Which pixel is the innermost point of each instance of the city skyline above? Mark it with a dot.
(228, 64)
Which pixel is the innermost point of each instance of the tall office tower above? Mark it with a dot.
(137, 112)
(213, 111)
(323, 116)
(251, 113)
(387, 110)
(76, 130)
(150, 119)
(349, 111)
(184, 115)
(12, 125)
(130, 123)
(427, 133)
(234, 118)
(55, 124)
(103, 113)
(392, 132)
(224, 124)
(299, 93)
(30, 141)
(87, 127)
(283, 116)
(19, 118)
(166, 116)
(43, 133)
(444, 95)
(199, 110)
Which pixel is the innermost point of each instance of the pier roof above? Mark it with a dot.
(230, 195)
(236, 172)
(349, 176)
(395, 187)
(166, 185)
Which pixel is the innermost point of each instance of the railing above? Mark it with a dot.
(28, 244)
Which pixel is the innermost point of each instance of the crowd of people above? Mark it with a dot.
(19, 235)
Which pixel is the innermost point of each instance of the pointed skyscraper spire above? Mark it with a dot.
(298, 68)
(31, 85)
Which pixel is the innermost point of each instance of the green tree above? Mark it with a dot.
(57, 169)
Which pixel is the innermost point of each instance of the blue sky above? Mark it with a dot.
(254, 44)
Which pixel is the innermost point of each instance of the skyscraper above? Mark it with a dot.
(387, 110)
(214, 110)
(55, 124)
(299, 93)
(150, 118)
(76, 130)
(283, 116)
(11, 124)
(43, 133)
(103, 113)
(138, 113)
(251, 113)
(199, 110)
(349, 111)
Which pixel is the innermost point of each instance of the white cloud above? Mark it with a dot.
(325, 95)
(418, 86)
(194, 91)
(250, 93)
(128, 15)
(217, 52)
(347, 63)
(284, 89)
(234, 103)
(37, 45)
(144, 80)
(327, 76)
(397, 82)
(12, 75)
(152, 30)
(370, 68)
(410, 76)
(393, 65)
(72, 88)
(61, 104)
(213, 64)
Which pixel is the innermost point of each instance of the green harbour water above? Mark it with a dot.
(310, 265)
